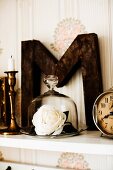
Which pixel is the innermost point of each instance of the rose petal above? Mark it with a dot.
(48, 120)
(58, 131)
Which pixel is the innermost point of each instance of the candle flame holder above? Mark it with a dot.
(13, 128)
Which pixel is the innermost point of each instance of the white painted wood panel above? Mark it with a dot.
(32, 152)
(38, 19)
(88, 142)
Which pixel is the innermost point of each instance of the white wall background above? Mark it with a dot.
(37, 19)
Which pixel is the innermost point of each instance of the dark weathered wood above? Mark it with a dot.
(30, 79)
(82, 54)
(91, 72)
(43, 58)
(36, 59)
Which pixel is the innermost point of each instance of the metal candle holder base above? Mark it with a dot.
(13, 128)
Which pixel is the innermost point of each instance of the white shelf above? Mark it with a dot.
(88, 142)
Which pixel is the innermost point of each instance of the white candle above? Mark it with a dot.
(11, 64)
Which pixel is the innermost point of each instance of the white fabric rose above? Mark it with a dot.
(48, 120)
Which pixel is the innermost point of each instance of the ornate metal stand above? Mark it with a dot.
(13, 128)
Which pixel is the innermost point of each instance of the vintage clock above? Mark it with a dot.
(103, 113)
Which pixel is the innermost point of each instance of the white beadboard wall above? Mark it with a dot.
(38, 19)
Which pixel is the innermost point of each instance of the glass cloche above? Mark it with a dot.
(53, 113)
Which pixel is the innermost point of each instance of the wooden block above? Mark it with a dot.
(30, 79)
(36, 59)
(82, 54)
(43, 58)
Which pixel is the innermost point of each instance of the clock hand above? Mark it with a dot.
(106, 116)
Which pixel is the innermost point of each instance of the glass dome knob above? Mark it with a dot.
(51, 81)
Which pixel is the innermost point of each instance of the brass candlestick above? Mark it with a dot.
(13, 127)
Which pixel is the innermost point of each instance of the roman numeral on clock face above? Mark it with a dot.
(103, 105)
(106, 100)
(100, 112)
(111, 98)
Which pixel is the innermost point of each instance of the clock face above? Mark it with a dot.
(103, 112)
